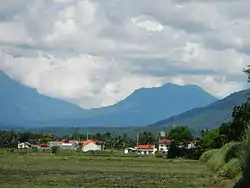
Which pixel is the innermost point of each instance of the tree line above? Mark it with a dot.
(10, 139)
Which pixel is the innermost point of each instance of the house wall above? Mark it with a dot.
(91, 147)
(54, 144)
(23, 146)
(163, 147)
(68, 146)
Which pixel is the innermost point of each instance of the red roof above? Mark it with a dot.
(86, 142)
(42, 145)
(165, 141)
(146, 147)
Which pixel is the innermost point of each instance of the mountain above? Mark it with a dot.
(148, 105)
(210, 116)
(24, 106)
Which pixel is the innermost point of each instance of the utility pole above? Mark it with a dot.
(137, 139)
(87, 135)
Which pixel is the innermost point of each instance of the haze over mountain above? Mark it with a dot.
(210, 116)
(23, 106)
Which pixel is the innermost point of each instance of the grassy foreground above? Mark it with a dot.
(24, 171)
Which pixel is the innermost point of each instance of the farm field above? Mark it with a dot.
(24, 171)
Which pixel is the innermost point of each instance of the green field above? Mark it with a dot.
(24, 171)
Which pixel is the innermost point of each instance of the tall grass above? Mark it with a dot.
(232, 169)
(244, 157)
(224, 155)
(208, 154)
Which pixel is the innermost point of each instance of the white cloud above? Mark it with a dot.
(147, 23)
(95, 53)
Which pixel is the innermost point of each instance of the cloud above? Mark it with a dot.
(95, 53)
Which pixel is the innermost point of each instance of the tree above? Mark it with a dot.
(147, 138)
(180, 134)
(235, 129)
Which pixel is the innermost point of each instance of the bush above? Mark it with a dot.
(160, 154)
(222, 156)
(231, 169)
(34, 149)
(244, 157)
(208, 154)
(54, 149)
(173, 151)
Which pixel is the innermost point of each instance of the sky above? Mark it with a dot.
(95, 53)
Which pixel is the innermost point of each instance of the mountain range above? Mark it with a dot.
(210, 116)
(25, 107)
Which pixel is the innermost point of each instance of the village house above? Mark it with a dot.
(129, 150)
(68, 146)
(146, 149)
(23, 146)
(42, 145)
(164, 144)
(92, 145)
(27, 145)
(191, 144)
(54, 144)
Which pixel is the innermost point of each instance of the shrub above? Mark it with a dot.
(244, 157)
(222, 156)
(160, 154)
(34, 149)
(55, 149)
(208, 154)
(231, 169)
(173, 151)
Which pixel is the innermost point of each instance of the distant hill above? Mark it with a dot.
(210, 116)
(24, 106)
(148, 105)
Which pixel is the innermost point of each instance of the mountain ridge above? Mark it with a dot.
(210, 116)
(144, 106)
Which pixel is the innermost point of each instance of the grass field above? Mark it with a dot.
(24, 171)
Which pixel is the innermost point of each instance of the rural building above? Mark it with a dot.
(191, 145)
(22, 146)
(164, 144)
(91, 145)
(42, 145)
(54, 144)
(129, 150)
(26, 145)
(70, 141)
(68, 146)
(146, 149)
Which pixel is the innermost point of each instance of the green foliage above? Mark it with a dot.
(208, 154)
(209, 140)
(244, 157)
(173, 151)
(180, 134)
(34, 149)
(235, 130)
(147, 138)
(213, 139)
(222, 156)
(160, 154)
(231, 169)
(54, 149)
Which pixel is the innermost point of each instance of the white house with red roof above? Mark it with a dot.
(146, 149)
(92, 145)
(164, 144)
